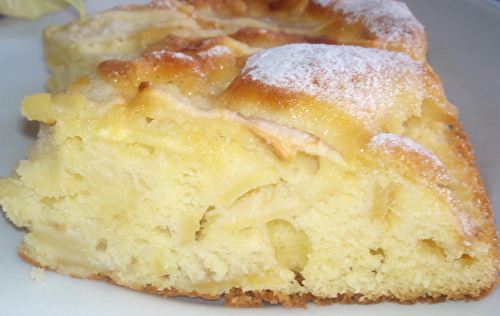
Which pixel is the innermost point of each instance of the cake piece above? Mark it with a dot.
(75, 49)
(211, 167)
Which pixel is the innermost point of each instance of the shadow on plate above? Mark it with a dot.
(29, 128)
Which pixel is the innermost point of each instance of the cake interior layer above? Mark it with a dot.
(197, 200)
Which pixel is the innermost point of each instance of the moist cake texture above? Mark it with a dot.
(219, 166)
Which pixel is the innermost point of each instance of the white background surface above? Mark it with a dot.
(464, 49)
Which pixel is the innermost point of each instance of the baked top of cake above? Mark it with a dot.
(240, 162)
(75, 49)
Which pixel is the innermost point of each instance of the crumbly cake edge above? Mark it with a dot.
(238, 298)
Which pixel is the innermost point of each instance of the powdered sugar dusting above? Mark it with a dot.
(164, 4)
(390, 20)
(407, 144)
(324, 3)
(159, 54)
(389, 142)
(364, 83)
(215, 51)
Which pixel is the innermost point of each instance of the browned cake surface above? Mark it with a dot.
(382, 24)
(75, 49)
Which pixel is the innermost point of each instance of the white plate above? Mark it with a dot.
(464, 49)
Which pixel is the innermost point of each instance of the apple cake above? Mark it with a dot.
(258, 165)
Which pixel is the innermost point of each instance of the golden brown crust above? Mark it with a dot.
(394, 29)
(260, 37)
(487, 230)
(174, 43)
(353, 23)
(187, 63)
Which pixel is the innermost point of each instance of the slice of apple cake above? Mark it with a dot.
(306, 172)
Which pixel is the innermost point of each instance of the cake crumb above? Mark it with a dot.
(38, 275)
